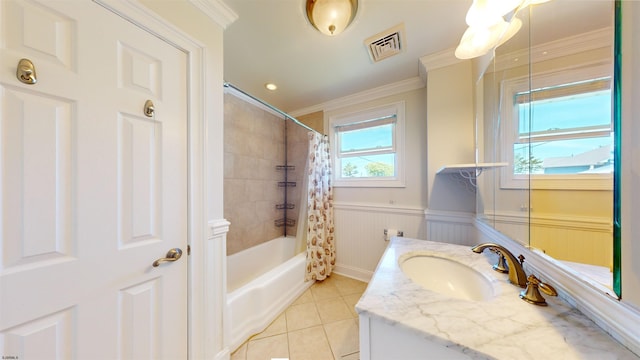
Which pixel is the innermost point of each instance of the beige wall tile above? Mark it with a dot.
(254, 145)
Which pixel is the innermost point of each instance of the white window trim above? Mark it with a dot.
(509, 133)
(397, 109)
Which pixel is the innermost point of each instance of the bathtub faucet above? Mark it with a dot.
(517, 275)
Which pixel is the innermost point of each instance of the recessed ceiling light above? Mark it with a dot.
(270, 86)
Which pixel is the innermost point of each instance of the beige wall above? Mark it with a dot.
(414, 194)
(314, 120)
(451, 139)
(439, 131)
(192, 21)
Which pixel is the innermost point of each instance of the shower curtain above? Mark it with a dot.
(321, 254)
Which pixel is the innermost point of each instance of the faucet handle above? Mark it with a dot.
(547, 289)
(501, 265)
(532, 294)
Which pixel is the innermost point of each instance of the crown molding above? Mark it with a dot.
(363, 96)
(558, 48)
(217, 11)
(435, 61)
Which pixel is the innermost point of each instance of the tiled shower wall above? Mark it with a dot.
(297, 154)
(254, 144)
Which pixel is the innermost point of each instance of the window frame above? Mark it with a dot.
(509, 131)
(375, 116)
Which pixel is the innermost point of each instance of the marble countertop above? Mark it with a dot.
(504, 327)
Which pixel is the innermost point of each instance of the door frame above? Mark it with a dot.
(201, 320)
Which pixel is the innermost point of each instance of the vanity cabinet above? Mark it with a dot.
(402, 320)
(383, 341)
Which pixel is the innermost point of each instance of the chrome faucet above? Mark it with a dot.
(517, 275)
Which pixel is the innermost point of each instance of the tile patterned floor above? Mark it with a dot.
(321, 324)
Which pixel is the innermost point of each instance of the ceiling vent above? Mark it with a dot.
(387, 43)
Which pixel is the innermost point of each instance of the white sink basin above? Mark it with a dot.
(446, 276)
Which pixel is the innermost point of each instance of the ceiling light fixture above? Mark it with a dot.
(331, 17)
(270, 86)
(477, 41)
(484, 13)
(487, 26)
(533, 2)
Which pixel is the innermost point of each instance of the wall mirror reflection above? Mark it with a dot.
(544, 108)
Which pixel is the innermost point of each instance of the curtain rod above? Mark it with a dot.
(287, 116)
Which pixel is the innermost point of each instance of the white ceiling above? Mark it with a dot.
(272, 41)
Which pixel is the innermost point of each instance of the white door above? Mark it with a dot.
(93, 191)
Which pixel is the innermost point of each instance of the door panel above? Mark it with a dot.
(139, 327)
(92, 190)
(45, 338)
(139, 152)
(37, 133)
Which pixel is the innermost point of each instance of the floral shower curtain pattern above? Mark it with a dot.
(321, 253)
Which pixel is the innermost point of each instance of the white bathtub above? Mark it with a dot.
(262, 281)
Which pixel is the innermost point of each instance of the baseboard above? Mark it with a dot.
(354, 273)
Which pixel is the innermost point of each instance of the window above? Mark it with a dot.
(559, 134)
(368, 147)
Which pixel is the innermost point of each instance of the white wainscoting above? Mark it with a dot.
(360, 240)
(451, 227)
(571, 238)
(210, 281)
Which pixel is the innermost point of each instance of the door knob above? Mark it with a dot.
(149, 108)
(172, 255)
(26, 72)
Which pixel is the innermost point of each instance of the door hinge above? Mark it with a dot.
(188, 249)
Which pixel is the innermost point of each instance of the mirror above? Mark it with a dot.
(544, 120)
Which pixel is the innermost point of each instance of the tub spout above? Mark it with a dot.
(517, 275)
